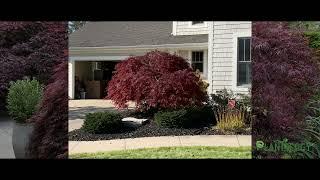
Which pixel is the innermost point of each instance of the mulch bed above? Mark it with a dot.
(149, 130)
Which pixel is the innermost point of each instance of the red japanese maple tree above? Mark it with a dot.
(30, 49)
(155, 80)
(284, 76)
(49, 139)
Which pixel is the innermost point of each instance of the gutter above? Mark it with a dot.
(141, 47)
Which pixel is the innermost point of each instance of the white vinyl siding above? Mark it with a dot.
(187, 28)
(223, 54)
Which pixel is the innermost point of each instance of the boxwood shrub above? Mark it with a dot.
(102, 122)
(190, 117)
(23, 99)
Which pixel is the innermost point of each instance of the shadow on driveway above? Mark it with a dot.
(80, 112)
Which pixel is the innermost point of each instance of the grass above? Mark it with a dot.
(194, 152)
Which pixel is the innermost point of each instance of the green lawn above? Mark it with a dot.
(195, 152)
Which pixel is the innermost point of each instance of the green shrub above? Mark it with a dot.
(311, 132)
(313, 111)
(244, 101)
(221, 99)
(314, 38)
(102, 122)
(23, 99)
(185, 118)
(199, 116)
(171, 119)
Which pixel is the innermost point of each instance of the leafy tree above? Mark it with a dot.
(284, 75)
(156, 80)
(305, 25)
(311, 30)
(30, 49)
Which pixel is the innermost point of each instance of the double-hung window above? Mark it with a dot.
(244, 62)
(197, 60)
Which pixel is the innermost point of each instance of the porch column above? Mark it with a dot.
(190, 57)
(210, 57)
(71, 78)
(205, 64)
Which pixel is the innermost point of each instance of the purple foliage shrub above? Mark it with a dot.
(49, 139)
(30, 49)
(284, 75)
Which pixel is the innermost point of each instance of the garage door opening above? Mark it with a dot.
(92, 78)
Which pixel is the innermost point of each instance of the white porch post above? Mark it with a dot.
(71, 78)
(190, 57)
(205, 64)
(210, 56)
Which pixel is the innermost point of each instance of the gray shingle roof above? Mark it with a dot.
(129, 33)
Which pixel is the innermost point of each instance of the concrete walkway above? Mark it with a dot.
(6, 150)
(163, 141)
(79, 108)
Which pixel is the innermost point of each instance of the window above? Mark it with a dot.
(197, 60)
(197, 22)
(244, 62)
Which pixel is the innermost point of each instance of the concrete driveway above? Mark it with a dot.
(6, 150)
(79, 108)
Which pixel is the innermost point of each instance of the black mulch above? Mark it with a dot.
(148, 130)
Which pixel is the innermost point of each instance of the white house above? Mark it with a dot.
(219, 49)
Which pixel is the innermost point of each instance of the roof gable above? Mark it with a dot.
(129, 33)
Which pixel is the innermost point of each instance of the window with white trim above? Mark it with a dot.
(244, 62)
(197, 22)
(197, 60)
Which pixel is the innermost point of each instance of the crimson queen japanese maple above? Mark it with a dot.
(49, 139)
(156, 80)
(30, 49)
(284, 75)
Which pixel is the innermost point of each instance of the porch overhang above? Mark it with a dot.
(74, 51)
(97, 58)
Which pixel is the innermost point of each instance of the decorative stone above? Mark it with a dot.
(134, 122)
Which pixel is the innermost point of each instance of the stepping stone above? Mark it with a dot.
(134, 122)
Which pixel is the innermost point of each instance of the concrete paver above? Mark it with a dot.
(75, 124)
(97, 146)
(244, 140)
(153, 142)
(149, 142)
(72, 145)
(215, 140)
(6, 150)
